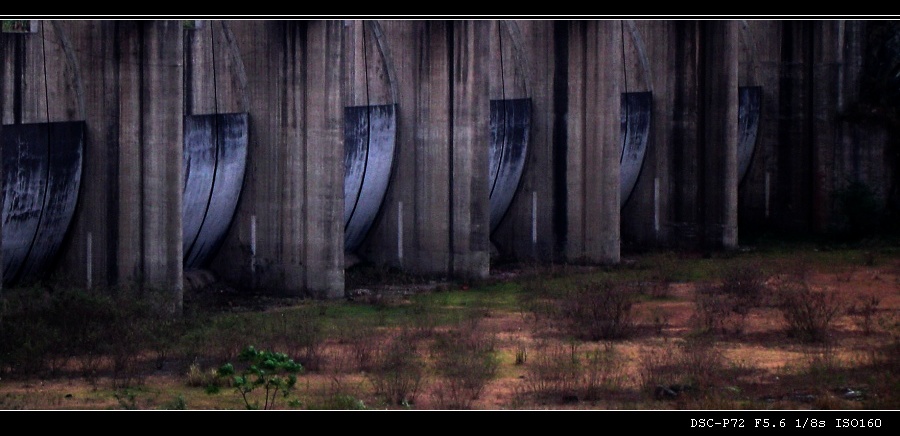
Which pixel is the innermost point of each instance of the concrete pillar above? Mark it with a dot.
(719, 65)
(293, 191)
(436, 210)
(470, 139)
(151, 144)
(593, 146)
(3, 80)
(683, 212)
(323, 166)
(91, 257)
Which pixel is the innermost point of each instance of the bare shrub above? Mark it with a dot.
(303, 336)
(745, 283)
(658, 318)
(553, 372)
(599, 310)
(423, 317)
(712, 308)
(864, 311)
(398, 371)
(693, 367)
(809, 314)
(603, 372)
(540, 309)
(888, 356)
(665, 271)
(466, 361)
(362, 339)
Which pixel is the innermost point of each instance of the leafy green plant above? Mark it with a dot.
(274, 372)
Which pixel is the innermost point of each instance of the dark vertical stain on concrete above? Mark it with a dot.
(451, 221)
(813, 195)
(677, 151)
(111, 141)
(18, 77)
(560, 135)
(706, 176)
(188, 58)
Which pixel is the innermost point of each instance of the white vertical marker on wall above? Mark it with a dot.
(656, 205)
(252, 245)
(400, 232)
(533, 217)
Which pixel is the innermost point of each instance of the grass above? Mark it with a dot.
(494, 344)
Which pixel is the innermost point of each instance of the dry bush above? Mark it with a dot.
(466, 361)
(540, 309)
(362, 339)
(716, 312)
(603, 372)
(809, 314)
(745, 282)
(398, 371)
(692, 367)
(553, 372)
(562, 373)
(599, 310)
(864, 311)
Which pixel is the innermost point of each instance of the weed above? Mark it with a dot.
(521, 355)
(208, 379)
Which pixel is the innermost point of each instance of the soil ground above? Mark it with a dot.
(769, 367)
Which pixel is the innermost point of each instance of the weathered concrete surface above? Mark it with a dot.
(158, 141)
(290, 218)
(127, 227)
(436, 210)
(132, 82)
(719, 52)
(534, 68)
(594, 141)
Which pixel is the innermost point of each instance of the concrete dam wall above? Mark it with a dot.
(275, 154)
